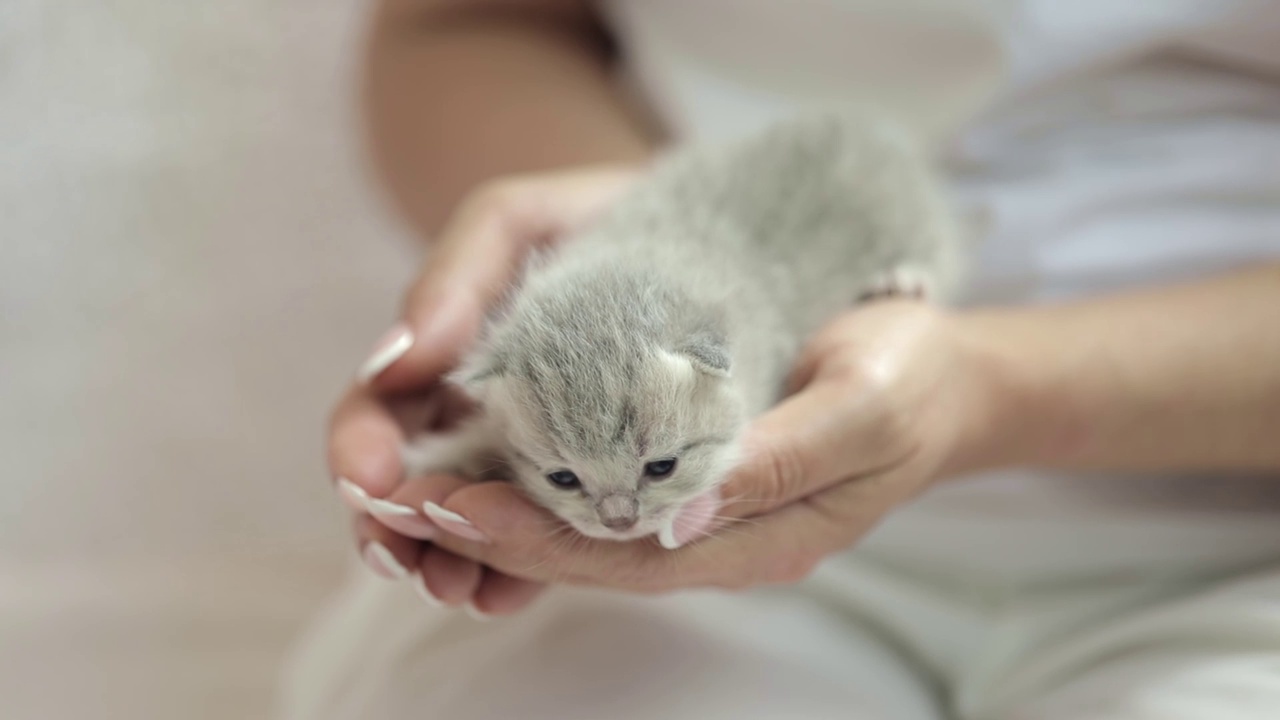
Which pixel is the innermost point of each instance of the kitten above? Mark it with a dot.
(618, 379)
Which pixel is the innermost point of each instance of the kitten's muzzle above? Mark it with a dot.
(618, 512)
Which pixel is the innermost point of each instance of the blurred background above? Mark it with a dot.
(192, 261)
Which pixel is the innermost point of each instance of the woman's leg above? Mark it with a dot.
(380, 653)
(1212, 655)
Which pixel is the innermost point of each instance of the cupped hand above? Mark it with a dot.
(473, 260)
(885, 400)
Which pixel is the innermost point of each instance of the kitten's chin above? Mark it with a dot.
(673, 528)
(639, 531)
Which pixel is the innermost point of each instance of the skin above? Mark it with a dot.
(453, 159)
(889, 399)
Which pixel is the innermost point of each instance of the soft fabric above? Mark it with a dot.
(862, 640)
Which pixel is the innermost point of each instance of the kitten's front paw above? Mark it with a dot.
(693, 521)
(901, 282)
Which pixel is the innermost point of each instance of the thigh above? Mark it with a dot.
(1212, 656)
(576, 654)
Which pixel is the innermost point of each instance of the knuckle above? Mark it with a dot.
(782, 467)
(886, 422)
(891, 425)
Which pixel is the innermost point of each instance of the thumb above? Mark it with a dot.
(475, 260)
(811, 441)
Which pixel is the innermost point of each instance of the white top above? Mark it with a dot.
(1110, 144)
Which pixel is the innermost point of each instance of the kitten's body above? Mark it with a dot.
(661, 329)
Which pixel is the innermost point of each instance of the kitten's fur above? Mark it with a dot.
(661, 329)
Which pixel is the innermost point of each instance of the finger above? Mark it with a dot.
(447, 578)
(480, 248)
(812, 440)
(402, 510)
(364, 448)
(477, 257)
(502, 594)
(474, 515)
(785, 545)
(494, 524)
(387, 553)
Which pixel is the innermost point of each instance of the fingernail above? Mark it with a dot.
(382, 562)
(401, 518)
(353, 495)
(389, 349)
(453, 522)
(424, 592)
(476, 613)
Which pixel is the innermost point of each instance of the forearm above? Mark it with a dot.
(1181, 378)
(461, 92)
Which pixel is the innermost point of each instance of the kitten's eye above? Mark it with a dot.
(565, 480)
(659, 469)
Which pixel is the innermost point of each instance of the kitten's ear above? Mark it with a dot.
(708, 352)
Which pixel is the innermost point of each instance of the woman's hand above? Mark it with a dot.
(886, 399)
(473, 260)
(895, 395)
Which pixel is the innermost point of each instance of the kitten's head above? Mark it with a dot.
(613, 424)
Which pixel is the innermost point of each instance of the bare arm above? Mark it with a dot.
(1180, 378)
(462, 91)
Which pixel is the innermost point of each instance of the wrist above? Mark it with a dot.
(1017, 410)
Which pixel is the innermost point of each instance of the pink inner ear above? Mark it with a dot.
(697, 517)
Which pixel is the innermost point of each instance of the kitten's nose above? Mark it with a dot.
(618, 512)
(618, 523)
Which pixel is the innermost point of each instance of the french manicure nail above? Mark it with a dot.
(382, 562)
(424, 592)
(402, 519)
(353, 495)
(453, 522)
(476, 613)
(386, 508)
(389, 349)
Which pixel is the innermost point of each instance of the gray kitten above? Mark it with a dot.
(618, 379)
